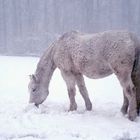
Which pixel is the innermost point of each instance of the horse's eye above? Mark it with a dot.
(34, 90)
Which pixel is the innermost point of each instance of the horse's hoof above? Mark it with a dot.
(73, 107)
(124, 110)
(89, 106)
(132, 117)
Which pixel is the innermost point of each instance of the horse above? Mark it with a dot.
(95, 56)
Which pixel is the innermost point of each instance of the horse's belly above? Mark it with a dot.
(96, 72)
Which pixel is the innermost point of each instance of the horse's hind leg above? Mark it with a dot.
(125, 104)
(82, 88)
(69, 78)
(130, 93)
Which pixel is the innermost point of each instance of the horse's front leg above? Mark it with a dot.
(69, 78)
(125, 104)
(71, 93)
(82, 88)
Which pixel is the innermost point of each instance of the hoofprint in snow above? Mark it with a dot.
(52, 121)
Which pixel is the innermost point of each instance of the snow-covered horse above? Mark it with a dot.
(93, 55)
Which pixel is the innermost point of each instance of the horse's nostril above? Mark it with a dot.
(37, 105)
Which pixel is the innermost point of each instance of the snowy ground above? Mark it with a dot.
(52, 121)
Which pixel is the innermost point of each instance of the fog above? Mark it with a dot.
(27, 27)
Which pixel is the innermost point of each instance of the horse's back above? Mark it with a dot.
(97, 54)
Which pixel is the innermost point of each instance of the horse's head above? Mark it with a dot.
(37, 91)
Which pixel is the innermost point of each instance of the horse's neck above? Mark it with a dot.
(45, 68)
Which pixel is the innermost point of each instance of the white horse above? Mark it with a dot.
(93, 55)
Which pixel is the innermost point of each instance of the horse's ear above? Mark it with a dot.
(32, 77)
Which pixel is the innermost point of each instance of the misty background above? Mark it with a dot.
(27, 27)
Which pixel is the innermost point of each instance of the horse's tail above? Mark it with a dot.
(135, 75)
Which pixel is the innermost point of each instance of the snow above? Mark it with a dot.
(52, 121)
